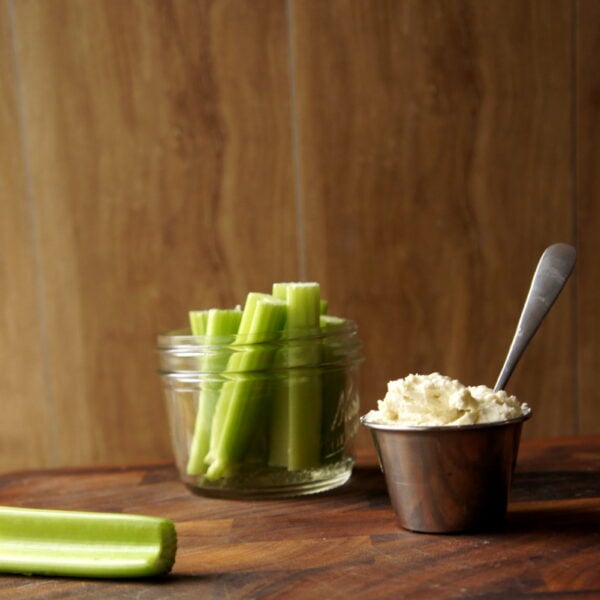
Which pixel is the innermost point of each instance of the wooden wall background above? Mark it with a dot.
(415, 157)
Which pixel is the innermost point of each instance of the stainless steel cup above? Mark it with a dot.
(449, 478)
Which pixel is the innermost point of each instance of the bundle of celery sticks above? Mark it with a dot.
(267, 400)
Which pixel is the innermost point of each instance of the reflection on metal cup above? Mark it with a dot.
(449, 478)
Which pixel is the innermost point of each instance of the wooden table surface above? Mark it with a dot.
(342, 544)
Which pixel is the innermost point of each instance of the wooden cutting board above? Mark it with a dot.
(342, 544)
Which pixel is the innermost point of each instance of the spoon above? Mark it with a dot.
(549, 278)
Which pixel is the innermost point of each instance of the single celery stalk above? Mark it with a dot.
(279, 417)
(305, 387)
(242, 397)
(323, 306)
(333, 429)
(244, 334)
(198, 321)
(219, 324)
(295, 429)
(331, 324)
(85, 544)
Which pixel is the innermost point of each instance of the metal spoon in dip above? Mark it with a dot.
(549, 278)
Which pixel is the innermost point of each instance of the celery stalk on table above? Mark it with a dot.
(242, 397)
(295, 429)
(85, 544)
(219, 324)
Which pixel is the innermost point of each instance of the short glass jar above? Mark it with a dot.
(275, 418)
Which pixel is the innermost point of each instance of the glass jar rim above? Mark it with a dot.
(180, 352)
(182, 338)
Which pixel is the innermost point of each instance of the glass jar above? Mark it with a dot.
(271, 419)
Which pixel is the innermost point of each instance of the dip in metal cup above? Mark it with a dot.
(448, 479)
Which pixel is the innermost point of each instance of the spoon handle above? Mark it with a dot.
(550, 276)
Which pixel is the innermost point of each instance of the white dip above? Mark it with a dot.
(430, 400)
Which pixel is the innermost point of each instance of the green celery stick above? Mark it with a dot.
(242, 397)
(279, 425)
(198, 321)
(280, 408)
(331, 324)
(252, 326)
(295, 429)
(220, 324)
(280, 291)
(244, 334)
(85, 544)
(324, 306)
(305, 387)
(223, 322)
(333, 429)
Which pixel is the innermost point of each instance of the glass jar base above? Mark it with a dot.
(274, 482)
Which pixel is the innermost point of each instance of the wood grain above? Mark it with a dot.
(435, 147)
(25, 433)
(415, 157)
(342, 544)
(161, 176)
(588, 211)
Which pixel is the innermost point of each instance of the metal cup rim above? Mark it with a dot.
(421, 428)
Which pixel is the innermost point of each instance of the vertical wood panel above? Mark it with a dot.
(160, 153)
(25, 438)
(436, 146)
(588, 185)
(436, 158)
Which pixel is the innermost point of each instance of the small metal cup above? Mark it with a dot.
(448, 479)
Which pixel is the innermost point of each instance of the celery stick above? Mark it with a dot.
(280, 413)
(85, 544)
(295, 428)
(279, 426)
(220, 323)
(244, 335)
(280, 290)
(242, 397)
(304, 424)
(324, 306)
(250, 325)
(333, 429)
(198, 321)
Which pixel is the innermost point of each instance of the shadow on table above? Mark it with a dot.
(555, 485)
(366, 484)
(555, 501)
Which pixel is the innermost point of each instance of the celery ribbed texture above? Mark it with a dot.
(198, 321)
(85, 544)
(305, 385)
(242, 398)
(218, 325)
(280, 408)
(281, 404)
(295, 427)
(323, 306)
